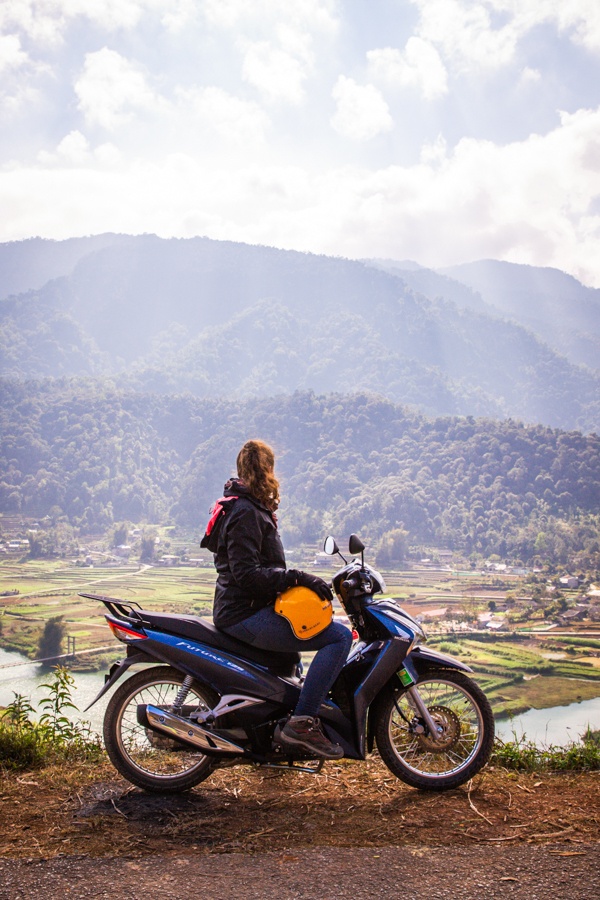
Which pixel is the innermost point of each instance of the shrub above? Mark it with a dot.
(22, 742)
(25, 743)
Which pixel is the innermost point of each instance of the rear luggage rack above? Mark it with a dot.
(118, 608)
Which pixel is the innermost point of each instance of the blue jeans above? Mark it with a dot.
(268, 631)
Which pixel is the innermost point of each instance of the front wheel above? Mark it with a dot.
(465, 737)
(146, 758)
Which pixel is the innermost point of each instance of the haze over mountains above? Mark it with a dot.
(225, 319)
(555, 306)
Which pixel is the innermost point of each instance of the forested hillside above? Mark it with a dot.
(216, 318)
(551, 304)
(87, 455)
(30, 264)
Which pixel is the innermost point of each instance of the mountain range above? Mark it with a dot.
(223, 319)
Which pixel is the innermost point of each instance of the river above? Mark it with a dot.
(557, 726)
(27, 677)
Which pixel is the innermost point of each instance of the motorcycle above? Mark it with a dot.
(214, 701)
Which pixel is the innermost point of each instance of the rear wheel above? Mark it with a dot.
(465, 738)
(145, 757)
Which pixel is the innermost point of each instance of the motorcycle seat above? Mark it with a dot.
(198, 629)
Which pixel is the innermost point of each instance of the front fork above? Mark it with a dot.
(416, 701)
(409, 679)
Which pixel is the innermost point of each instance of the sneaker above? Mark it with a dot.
(305, 733)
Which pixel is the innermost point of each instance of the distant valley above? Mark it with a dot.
(456, 409)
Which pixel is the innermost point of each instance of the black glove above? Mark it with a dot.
(294, 578)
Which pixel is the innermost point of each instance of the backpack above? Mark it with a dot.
(210, 541)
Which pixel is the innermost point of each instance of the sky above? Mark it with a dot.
(440, 131)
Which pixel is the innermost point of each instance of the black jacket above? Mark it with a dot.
(250, 561)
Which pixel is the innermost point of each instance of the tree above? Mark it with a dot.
(120, 534)
(393, 547)
(147, 546)
(51, 641)
(36, 545)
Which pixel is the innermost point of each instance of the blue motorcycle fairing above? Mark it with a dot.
(423, 658)
(374, 667)
(216, 668)
(391, 625)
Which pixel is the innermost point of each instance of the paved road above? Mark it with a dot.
(493, 872)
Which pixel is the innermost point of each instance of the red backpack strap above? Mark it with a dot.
(211, 535)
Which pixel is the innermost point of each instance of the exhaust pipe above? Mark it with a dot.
(182, 730)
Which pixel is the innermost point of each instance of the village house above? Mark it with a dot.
(123, 550)
(572, 615)
(569, 581)
(169, 560)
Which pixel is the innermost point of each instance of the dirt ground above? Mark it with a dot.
(352, 831)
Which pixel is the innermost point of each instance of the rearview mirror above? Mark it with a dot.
(355, 545)
(330, 547)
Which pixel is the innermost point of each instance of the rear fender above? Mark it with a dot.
(117, 670)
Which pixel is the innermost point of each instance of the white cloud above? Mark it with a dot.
(314, 15)
(111, 88)
(276, 74)
(434, 152)
(17, 76)
(530, 76)
(212, 111)
(582, 18)
(530, 201)
(277, 41)
(464, 33)
(178, 14)
(75, 150)
(361, 112)
(419, 66)
(484, 34)
(45, 21)
(11, 54)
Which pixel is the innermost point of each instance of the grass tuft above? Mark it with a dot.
(525, 756)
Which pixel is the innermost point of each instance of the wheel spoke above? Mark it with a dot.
(149, 751)
(455, 711)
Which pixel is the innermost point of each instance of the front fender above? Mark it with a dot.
(424, 659)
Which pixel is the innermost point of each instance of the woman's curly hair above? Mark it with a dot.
(255, 465)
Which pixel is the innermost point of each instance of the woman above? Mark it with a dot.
(251, 573)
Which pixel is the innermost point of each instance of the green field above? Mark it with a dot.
(51, 589)
(524, 672)
(516, 671)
